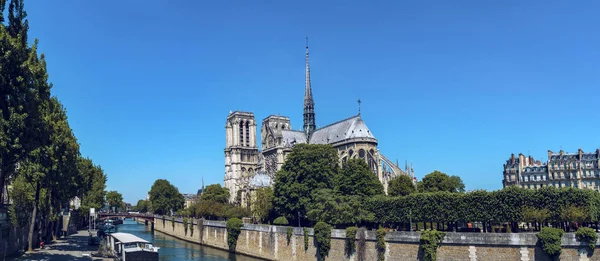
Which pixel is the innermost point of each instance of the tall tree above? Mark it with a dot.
(165, 197)
(439, 181)
(263, 203)
(16, 93)
(114, 200)
(307, 168)
(357, 179)
(401, 186)
(142, 206)
(216, 193)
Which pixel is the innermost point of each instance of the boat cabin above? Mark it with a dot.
(128, 247)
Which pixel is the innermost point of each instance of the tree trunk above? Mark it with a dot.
(57, 225)
(33, 217)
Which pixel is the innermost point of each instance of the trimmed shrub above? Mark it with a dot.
(350, 241)
(549, 239)
(323, 239)
(234, 228)
(430, 240)
(281, 221)
(380, 244)
(587, 235)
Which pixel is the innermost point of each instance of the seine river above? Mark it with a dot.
(172, 249)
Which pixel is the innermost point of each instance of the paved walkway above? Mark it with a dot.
(71, 248)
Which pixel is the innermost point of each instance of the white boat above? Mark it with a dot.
(128, 247)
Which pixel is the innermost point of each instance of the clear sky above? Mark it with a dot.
(455, 86)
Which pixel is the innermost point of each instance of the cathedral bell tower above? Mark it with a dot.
(309, 104)
(241, 152)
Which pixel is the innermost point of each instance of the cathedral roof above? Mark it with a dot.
(351, 128)
(291, 137)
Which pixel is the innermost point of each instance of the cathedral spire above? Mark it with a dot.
(309, 104)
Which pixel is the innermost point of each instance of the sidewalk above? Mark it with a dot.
(69, 249)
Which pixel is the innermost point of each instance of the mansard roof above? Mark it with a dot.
(350, 128)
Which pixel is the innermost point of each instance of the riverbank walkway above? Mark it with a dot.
(71, 248)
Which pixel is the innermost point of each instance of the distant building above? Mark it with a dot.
(351, 138)
(189, 200)
(577, 170)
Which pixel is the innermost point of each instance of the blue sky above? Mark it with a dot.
(455, 86)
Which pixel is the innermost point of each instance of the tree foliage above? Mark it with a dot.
(322, 239)
(504, 205)
(114, 200)
(165, 197)
(430, 240)
(307, 168)
(439, 181)
(550, 240)
(355, 178)
(587, 235)
(215, 193)
(234, 228)
(39, 153)
(263, 203)
(143, 206)
(401, 186)
(337, 209)
(281, 221)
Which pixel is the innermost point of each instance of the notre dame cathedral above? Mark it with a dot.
(248, 168)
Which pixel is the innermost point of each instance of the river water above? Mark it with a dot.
(173, 249)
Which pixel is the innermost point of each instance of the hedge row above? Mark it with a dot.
(504, 205)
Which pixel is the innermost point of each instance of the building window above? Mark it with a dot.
(241, 133)
(247, 135)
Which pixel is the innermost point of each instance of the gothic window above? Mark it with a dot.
(361, 153)
(247, 135)
(350, 153)
(241, 133)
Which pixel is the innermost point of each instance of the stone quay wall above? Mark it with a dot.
(270, 243)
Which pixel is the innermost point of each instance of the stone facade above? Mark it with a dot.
(270, 243)
(578, 170)
(243, 160)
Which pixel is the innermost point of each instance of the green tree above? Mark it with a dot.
(439, 181)
(357, 179)
(263, 203)
(215, 193)
(15, 91)
(337, 209)
(142, 206)
(401, 186)
(307, 168)
(92, 192)
(114, 200)
(165, 197)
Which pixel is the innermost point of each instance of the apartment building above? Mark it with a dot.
(578, 170)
